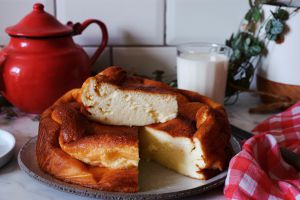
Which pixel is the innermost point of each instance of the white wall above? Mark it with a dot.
(143, 33)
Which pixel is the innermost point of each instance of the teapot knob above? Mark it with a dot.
(38, 7)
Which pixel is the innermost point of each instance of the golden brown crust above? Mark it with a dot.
(73, 125)
(117, 76)
(114, 75)
(56, 162)
(77, 130)
(213, 130)
(178, 127)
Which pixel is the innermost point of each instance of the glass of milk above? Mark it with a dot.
(202, 67)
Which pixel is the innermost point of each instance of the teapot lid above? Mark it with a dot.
(39, 23)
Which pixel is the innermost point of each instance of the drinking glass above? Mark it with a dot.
(203, 67)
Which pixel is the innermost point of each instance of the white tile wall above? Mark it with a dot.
(144, 61)
(142, 32)
(12, 11)
(203, 20)
(128, 21)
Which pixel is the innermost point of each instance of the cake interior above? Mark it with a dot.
(175, 145)
(110, 104)
(182, 154)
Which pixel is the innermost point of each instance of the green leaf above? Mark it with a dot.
(277, 27)
(274, 28)
(173, 83)
(255, 50)
(248, 40)
(237, 41)
(256, 14)
(236, 54)
(247, 44)
(256, 41)
(281, 14)
(228, 42)
(248, 15)
(246, 48)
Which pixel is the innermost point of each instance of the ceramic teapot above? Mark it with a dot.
(41, 61)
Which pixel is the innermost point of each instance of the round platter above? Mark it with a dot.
(7, 146)
(155, 181)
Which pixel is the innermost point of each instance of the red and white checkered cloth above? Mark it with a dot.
(258, 171)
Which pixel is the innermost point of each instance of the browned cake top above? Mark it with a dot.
(75, 127)
(118, 77)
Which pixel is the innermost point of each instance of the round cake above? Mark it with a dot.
(94, 136)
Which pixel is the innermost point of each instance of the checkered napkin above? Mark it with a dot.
(258, 171)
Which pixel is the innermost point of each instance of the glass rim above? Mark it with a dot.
(181, 47)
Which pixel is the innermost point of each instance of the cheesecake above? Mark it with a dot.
(95, 136)
(109, 98)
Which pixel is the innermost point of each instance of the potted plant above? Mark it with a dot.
(267, 40)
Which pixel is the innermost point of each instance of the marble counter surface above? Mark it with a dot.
(15, 184)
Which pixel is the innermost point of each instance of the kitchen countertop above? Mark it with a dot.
(15, 184)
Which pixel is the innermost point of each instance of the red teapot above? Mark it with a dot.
(41, 61)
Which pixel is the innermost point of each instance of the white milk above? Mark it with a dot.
(205, 73)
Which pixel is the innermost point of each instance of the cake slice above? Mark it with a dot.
(110, 98)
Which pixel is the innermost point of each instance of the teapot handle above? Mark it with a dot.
(78, 28)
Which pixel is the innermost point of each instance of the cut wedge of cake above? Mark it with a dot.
(192, 144)
(111, 99)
